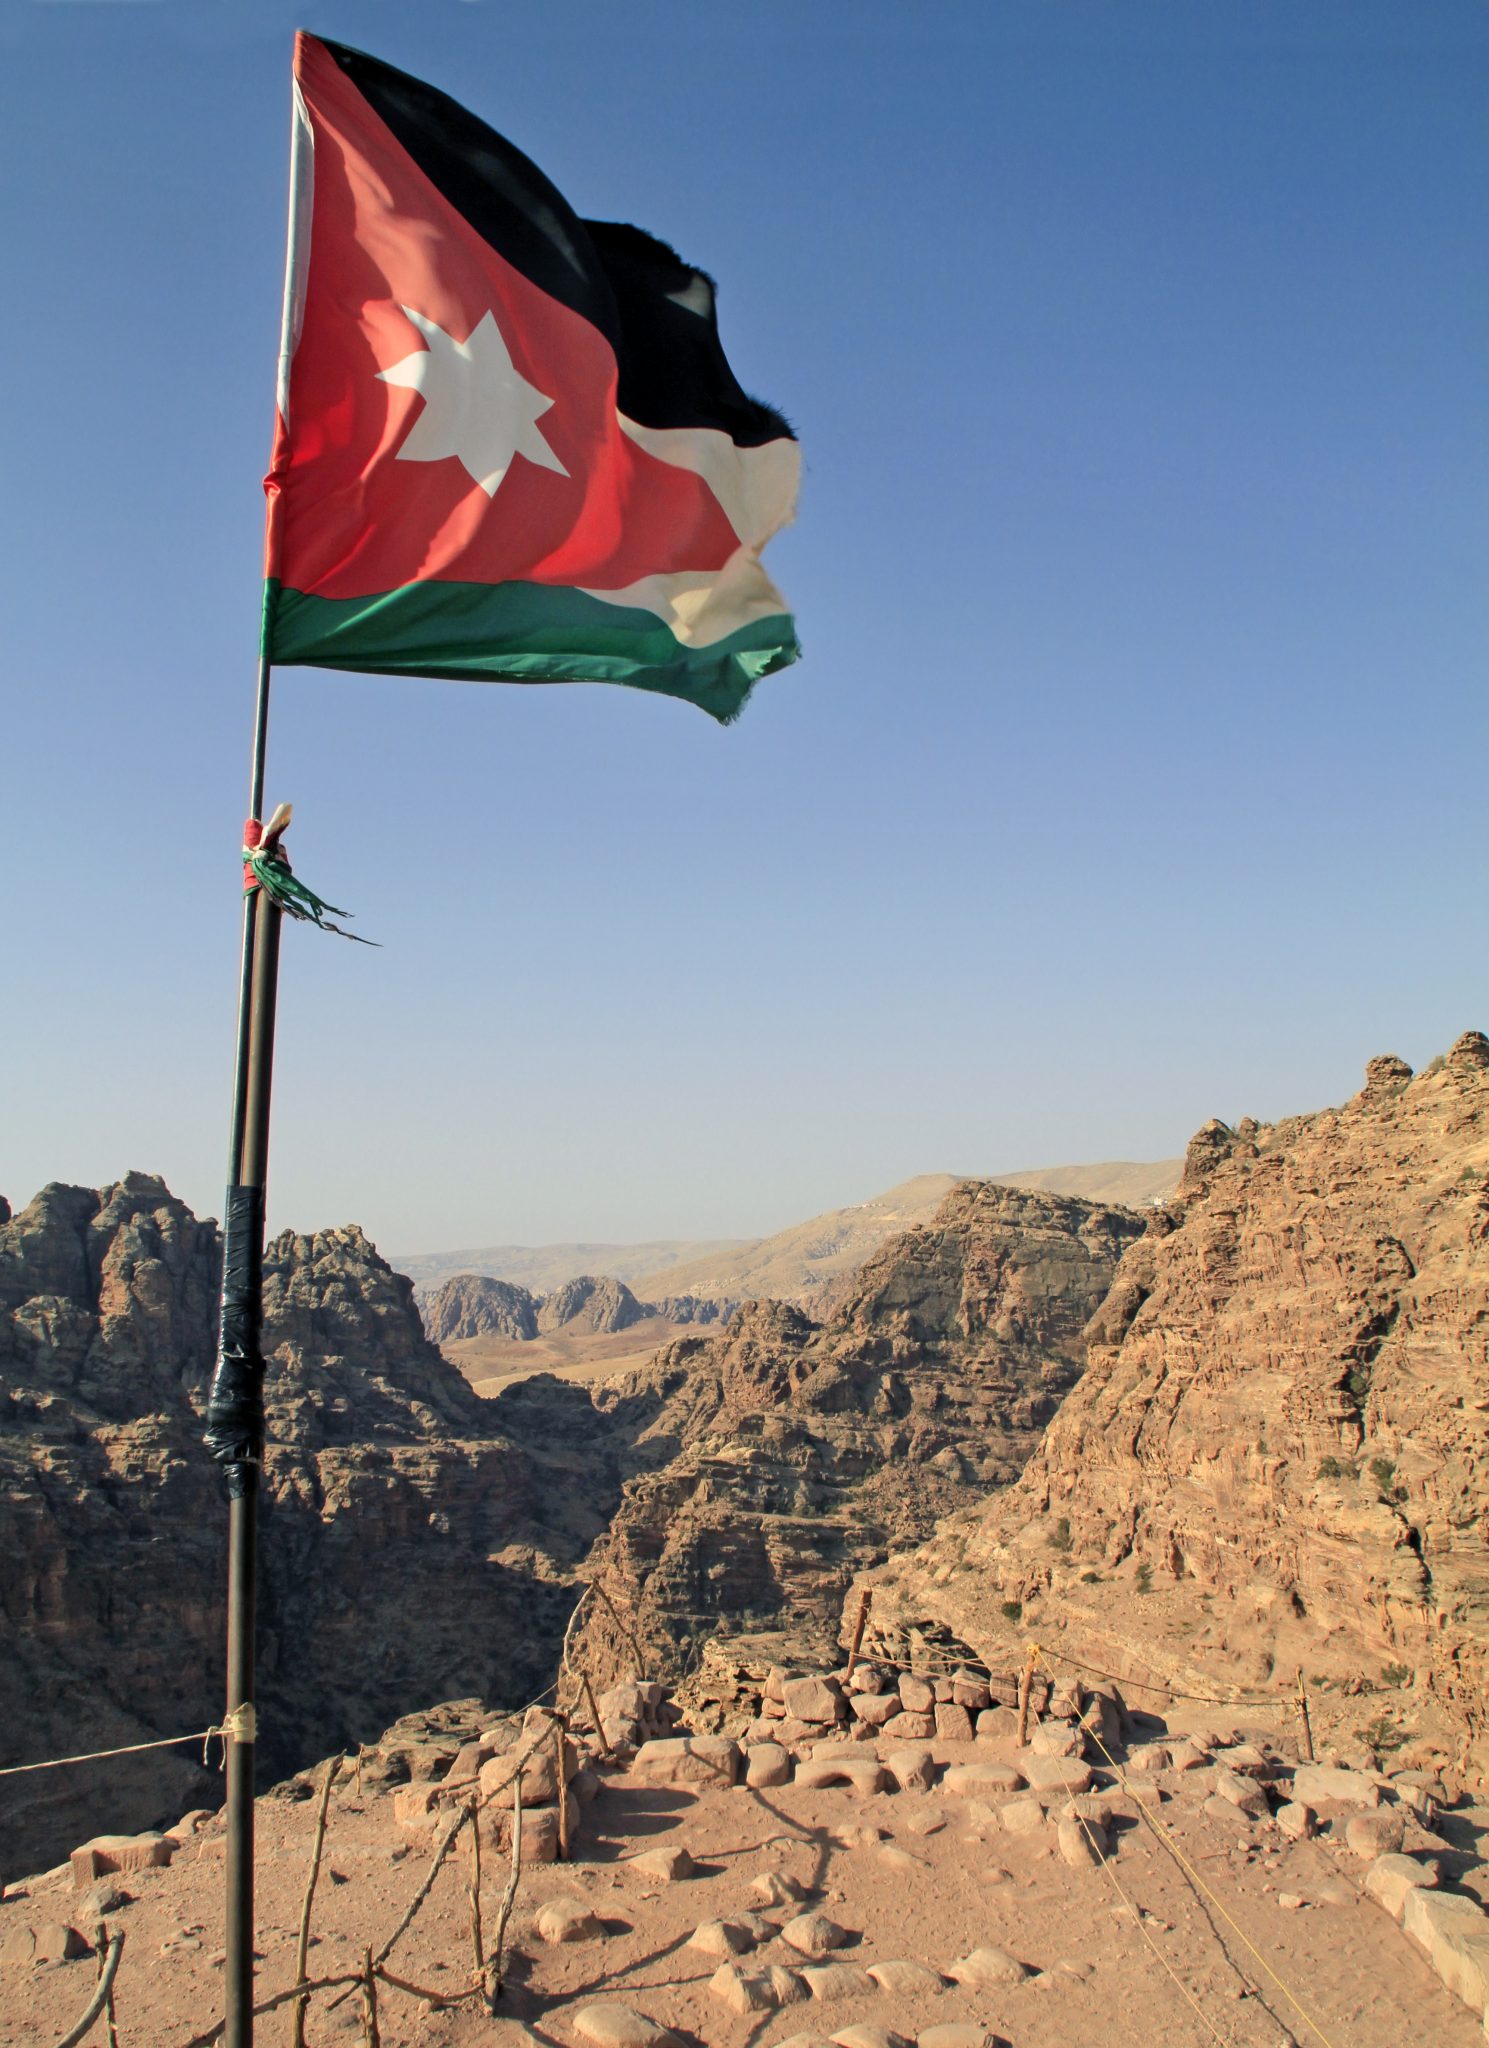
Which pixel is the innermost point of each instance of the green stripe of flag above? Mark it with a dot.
(521, 633)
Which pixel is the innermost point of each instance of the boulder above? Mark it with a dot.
(665, 1866)
(1022, 1816)
(813, 1934)
(813, 1699)
(1057, 1738)
(1296, 1821)
(987, 1969)
(917, 1695)
(828, 1982)
(1390, 1878)
(867, 2034)
(1380, 1833)
(767, 1764)
(613, 2025)
(778, 1888)
(908, 1727)
(970, 1691)
(722, 1938)
(107, 1854)
(981, 1781)
(857, 1773)
(1056, 1773)
(908, 1980)
(1081, 1842)
(743, 1992)
(1241, 1792)
(56, 1942)
(997, 1724)
(566, 1920)
(913, 1770)
(874, 1708)
(1454, 1933)
(688, 1760)
(1315, 1783)
(953, 1723)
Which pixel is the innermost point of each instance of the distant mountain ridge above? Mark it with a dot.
(809, 1263)
(792, 1264)
(544, 1268)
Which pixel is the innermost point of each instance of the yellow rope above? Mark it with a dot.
(241, 1725)
(1198, 1882)
(1202, 1699)
(1142, 1928)
(54, 1763)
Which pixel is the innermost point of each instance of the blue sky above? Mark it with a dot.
(1135, 769)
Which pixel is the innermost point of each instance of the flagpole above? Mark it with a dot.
(235, 1404)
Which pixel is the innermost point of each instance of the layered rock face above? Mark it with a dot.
(1278, 1453)
(774, 1460)
(471, 1305)
(590, 1304)
(414, 1539)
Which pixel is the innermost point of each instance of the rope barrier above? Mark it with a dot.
(1143, 1930)
(1168, 1842)
(55, 1763)
(1172, 1692)
(241, 1725)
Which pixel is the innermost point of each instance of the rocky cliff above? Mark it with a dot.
(598, 1305)
(472, 1305)
(415, 1539)
(774, 1460)
(1277, 1455)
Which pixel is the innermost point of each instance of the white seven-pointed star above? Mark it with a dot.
(477, 406)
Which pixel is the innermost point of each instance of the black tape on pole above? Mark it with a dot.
(235, 1403)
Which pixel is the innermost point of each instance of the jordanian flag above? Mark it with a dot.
(509, 444)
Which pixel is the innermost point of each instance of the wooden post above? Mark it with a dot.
(494, 1976)
(303, 1947)
(475, 1898)
(370, 2035)
(1026, 1687)
(594, 1709)
(563, 1792)
(1304, 1718)
(863, 1614)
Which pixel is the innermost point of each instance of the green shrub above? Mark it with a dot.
(1331, 1468)
(1382, 1737)
(1013, 1610)
(1396, 1674)
(1145, 1578)
(1091, 1579)
(1359, 1383)
(1384, 1472)
(1060, 1534)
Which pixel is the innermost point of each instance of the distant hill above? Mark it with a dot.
(542, 1268)
(796, 1264)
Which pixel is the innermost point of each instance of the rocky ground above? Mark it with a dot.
(843, 1885)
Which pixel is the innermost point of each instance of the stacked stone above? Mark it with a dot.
(555, 1781)
(633, 1714)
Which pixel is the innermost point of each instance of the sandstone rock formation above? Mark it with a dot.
(412, 1545)
(590, 1304)
(774, 1460)
(814, 1263)
(471, 1305)
(1277, 1456)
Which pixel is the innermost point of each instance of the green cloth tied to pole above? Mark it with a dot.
(266, 867)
